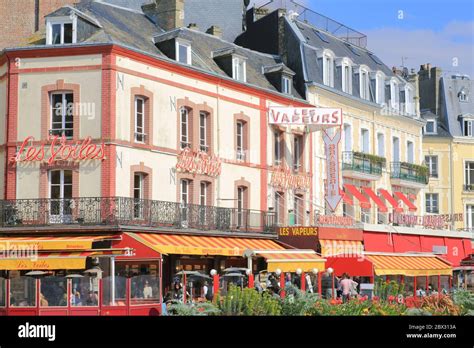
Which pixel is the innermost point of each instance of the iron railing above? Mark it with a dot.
(409, 172)
(360, 163)
(133, 212)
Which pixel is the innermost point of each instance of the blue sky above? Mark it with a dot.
(440, 32)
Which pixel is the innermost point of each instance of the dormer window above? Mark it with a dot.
(239, 69)
(183, 52)
(328, 70)
(379, 88)
(286, 82)
(61, 30)
(394, 94)
(364, 84)
(468, 128)
(409, 105)
(346, 70)
(462, 95)
(430, 127)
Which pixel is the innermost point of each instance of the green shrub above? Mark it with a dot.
(248, 302)
(201, 309)
(297, 302)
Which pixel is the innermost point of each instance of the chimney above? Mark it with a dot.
(168, 14)
(215, 30)
(193, 26)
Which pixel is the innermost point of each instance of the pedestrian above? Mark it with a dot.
(346, 285)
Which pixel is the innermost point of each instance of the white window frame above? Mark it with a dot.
(239, 69)
(463, 97)
(277, 148)
(398, 149)
(184, 192)
(61, 21)
(469, 124)
(429, 198)
(435, 126)
(184, 138)
(363, 139)
(430, 163)
(240, 204)
(188, 51)
(469, 219)
(381, 145)
(409, 103)
(346, 76)
(62, 202)
(240, 129)
(203, 187)
(379, 88)
(410, 154)
(467, 180)
(297, 145)
(203, 146)
(364, 71)
(394, 94)
(61, 182)
(347, 136)
(137, 134)
(286, 83)
(328, 70)
(64, 112)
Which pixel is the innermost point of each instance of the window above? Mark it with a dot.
(138, 190)
(410, 152)
(365, 215)
(61, 32)
(286, 84)
(241, 192)
(346, 78)
(328, 68)
(140, 120)
(185, 134)
(380, 145)
(409, 105)
(62, 106)
(394, 94)
(203, 202)
(468, 128)
(469, 176)
(184, 193)
(297, 152)
(396, 149)
(240, 141)
(203, 146)
(183, 52)
(364, 84)
(379, 88)
(298, 209)
(432, 203)
(60, 192)
(432, 164)
(364, 138)
(279, 207)
(278, 142)
(470, 216)
(238, 69)
(462, 96)
(430, 127)
(347, 137)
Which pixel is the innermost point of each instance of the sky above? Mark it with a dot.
(440, 32)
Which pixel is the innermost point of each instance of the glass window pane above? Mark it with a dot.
(82, 292)
(183, 54)
(3, 291)
(68, 177)
(108, 298)
(56, 34)
(145, 289)
(55, 177)
(22, 292)
(68, 33)
(53, 292)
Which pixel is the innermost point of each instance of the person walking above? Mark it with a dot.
(346, 285)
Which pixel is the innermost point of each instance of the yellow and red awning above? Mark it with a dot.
(405, 200)
(290, 260)
(331, 247)
(393, 202)
(203, 245)
(354, 191)
(46, 261)
(380, 204)
(409, 264)
(51, 242)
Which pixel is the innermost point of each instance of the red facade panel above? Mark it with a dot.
(374, 241)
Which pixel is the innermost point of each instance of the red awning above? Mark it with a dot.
(391, 200)
(364, 201)
(405, 200)
(382, 207)
(346, 198)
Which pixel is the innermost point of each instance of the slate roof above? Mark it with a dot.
(131, 28)
(441, 130)
(452, 107)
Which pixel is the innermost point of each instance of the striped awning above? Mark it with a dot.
(291, 259)
(354, 191)
(203, 245)
(380, 204)
(51, 242)
(393, 202)
(331, 247)
(409, 264)
(407, 201)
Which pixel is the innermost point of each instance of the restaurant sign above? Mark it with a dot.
(58, 150)
(331, 146)
(334, 220)
(305, 116)
(428, 221)
(199, 162)
(298, 231)
(283, 178)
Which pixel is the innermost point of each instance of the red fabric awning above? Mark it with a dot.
(391, 200)
(405, 200)
(346, 198)
(382, 207)
(364, 201)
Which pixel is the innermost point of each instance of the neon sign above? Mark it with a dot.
(199, 163)
(59, 150)
(283, 178)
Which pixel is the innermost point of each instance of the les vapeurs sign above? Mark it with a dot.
(58, 150)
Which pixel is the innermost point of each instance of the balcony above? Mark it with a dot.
(359, 165)
(468, 188)
(409, 175)
(124, 211)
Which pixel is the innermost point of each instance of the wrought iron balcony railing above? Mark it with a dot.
(469, 187)
(409, 172)
(132, 212)
(363, 163)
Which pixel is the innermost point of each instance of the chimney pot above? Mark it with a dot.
(193, 26)
(215, 30)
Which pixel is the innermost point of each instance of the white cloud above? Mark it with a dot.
(452, 48)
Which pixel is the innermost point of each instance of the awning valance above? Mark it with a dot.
(51, 242)
(331, 247)
(380, 204)
(203, 245)
(290, 260)
(405, 200)
(393, 202)
(354, 191)
(409, 264)
(46, 261)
